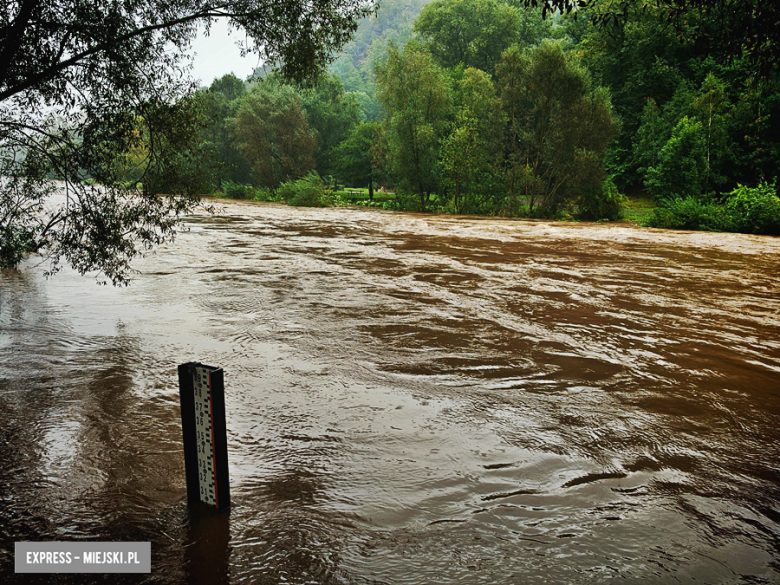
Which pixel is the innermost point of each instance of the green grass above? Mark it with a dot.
(638, 207)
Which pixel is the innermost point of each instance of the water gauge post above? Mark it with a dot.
(202, 395)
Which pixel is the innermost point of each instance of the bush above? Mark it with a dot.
(237, 191)
(351, 197)
(367, 203)
(746, 210)
(599, 203)
(233, 190)
(308, 191)
(264, 194)
(688, 213)
(754, 210)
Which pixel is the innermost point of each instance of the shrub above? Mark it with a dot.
(308, 191)
(264, 194)
(233, 190)
(746, 210)
(754, 210)
(604, 202)
(237, 191)
(367, 203)
(688, 213)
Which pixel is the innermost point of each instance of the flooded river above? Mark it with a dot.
(410, 400)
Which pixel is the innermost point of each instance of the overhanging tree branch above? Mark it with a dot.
(53, 71)
(89, 88)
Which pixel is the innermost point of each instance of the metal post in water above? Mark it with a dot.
(202, 395)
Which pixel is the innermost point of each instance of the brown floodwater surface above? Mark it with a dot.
(410, 399)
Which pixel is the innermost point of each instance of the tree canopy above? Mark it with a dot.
(560, 127)
(272, 132)
(472, 32)
(730, 28)
(332, 114)
(414, 92)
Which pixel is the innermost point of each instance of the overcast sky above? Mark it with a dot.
(217, 54)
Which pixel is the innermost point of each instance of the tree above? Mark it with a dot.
(354, 160)
(472, 152)
(331, 113)
(416, 98)
(638, 59)
(220, 103)
(646, 48)
(471, 32)
(229, 86)
(711, 107)
(650, 138)
(477, 95)
(730, 29)
(754, 129)
(682, 163)
(75, 78)
(465, 163)
(534, 26)
(560, 126)
(272, 132)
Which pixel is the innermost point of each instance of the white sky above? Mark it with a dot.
(217, 54)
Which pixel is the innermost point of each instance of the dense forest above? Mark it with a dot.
(486, 107)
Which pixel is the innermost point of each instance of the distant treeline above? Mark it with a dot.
(481, 106)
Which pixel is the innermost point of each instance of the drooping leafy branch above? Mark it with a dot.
(85, 82)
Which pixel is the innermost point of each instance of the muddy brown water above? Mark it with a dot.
(411, 399)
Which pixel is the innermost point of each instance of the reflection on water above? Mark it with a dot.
(207, 548)
(411, 399)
